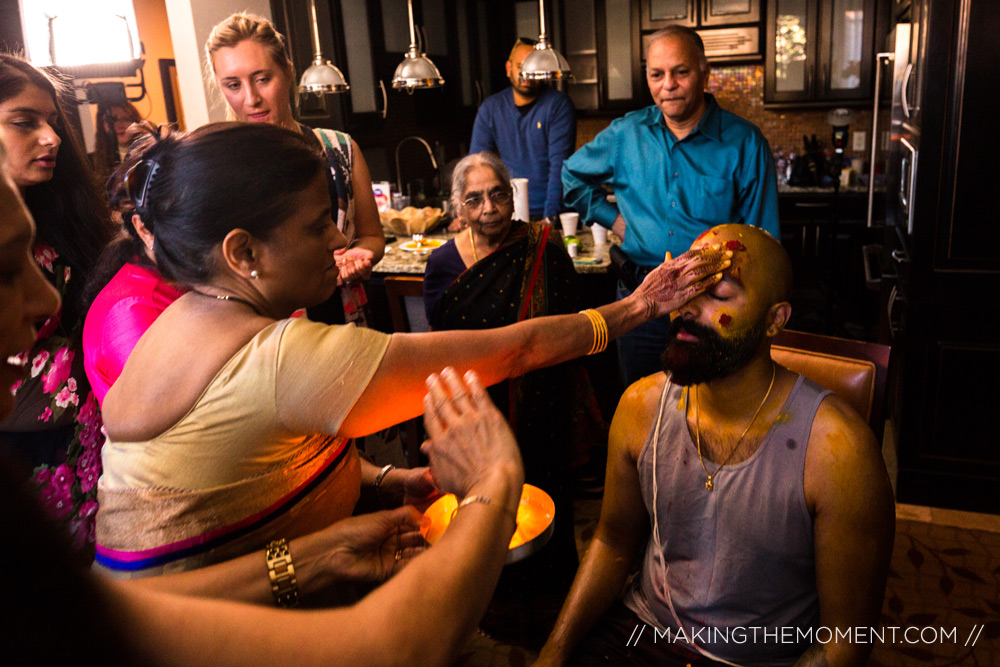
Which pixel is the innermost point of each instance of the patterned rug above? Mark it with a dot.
(946, 581)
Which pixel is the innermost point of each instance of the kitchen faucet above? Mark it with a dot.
(430, 154)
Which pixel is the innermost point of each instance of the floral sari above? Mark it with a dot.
(56, 424)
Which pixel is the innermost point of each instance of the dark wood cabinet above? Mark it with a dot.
(819, 52)
(730, 29)
(948, 270)
(602, 44)
(729, 12)
(658, 14)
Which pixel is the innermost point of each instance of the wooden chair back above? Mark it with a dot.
(406, 303)
(854, 370)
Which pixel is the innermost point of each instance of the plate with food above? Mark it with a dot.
(421, 246)
(535, 521)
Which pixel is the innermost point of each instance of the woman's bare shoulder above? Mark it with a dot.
(171, 366)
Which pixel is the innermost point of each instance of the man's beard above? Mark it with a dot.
(711, 356)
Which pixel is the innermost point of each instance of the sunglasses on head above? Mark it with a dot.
(137, 180)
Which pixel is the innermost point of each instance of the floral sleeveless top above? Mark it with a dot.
(54, 393)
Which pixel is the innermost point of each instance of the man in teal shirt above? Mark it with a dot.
(676, 168)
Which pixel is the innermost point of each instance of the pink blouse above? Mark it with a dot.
(120, 314)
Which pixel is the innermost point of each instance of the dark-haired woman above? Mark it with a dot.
(229, 426)
(420, 616)
(133, 293)
(55, 427)
(112, 138)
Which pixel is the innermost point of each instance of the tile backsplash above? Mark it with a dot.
(740, 89)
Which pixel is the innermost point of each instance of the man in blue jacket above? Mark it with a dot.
(533, 129)
(676, 168)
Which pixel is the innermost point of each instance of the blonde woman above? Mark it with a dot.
(246, 58)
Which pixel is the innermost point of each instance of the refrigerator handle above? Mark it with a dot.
(904, 89)
(887, 57)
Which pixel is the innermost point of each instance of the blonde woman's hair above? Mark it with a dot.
(240, 27)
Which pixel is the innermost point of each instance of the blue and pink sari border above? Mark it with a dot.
(130, 561)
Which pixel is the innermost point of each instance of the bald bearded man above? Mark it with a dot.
(769, 503)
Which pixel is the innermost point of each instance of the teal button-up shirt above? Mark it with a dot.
(671, 191)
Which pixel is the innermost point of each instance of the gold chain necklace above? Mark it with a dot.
(472, 238)
(697, 433)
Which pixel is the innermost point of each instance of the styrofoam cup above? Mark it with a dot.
(569, 221)
(600, 234)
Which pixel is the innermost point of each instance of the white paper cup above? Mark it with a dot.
(522, 211)
(569, 221)
(572, 248)
(600, 234)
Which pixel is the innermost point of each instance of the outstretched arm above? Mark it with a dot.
(511, 351)
(621, 530)
(848, 491)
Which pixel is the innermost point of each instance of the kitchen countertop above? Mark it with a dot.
(397, 261)
(857, 189)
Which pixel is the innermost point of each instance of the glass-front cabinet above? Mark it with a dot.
(602, 47)
(819, 51)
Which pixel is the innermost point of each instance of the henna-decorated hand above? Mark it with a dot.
(675, 282)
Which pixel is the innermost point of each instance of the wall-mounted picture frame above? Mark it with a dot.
(171, 88)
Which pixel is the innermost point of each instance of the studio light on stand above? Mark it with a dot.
(72, 52)
(416, 70)
(322, 76)
(545, 63)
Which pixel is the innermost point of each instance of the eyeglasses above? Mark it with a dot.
(498, 197)
(137, 181)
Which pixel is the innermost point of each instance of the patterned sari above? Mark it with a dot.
(550, 409)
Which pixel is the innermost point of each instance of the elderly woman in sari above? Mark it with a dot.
(229, 428)
(499, 272)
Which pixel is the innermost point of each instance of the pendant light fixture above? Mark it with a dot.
(322, 76)
(544, 63)
(416, 70)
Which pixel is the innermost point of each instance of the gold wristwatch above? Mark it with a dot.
(282, 574)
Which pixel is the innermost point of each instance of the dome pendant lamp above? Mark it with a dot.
(322, 76)
(544, 63)
(416, 70)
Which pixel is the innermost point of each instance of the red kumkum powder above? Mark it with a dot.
(735, 246)
(725, 320)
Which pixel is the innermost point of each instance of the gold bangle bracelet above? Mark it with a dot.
(600, 326)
